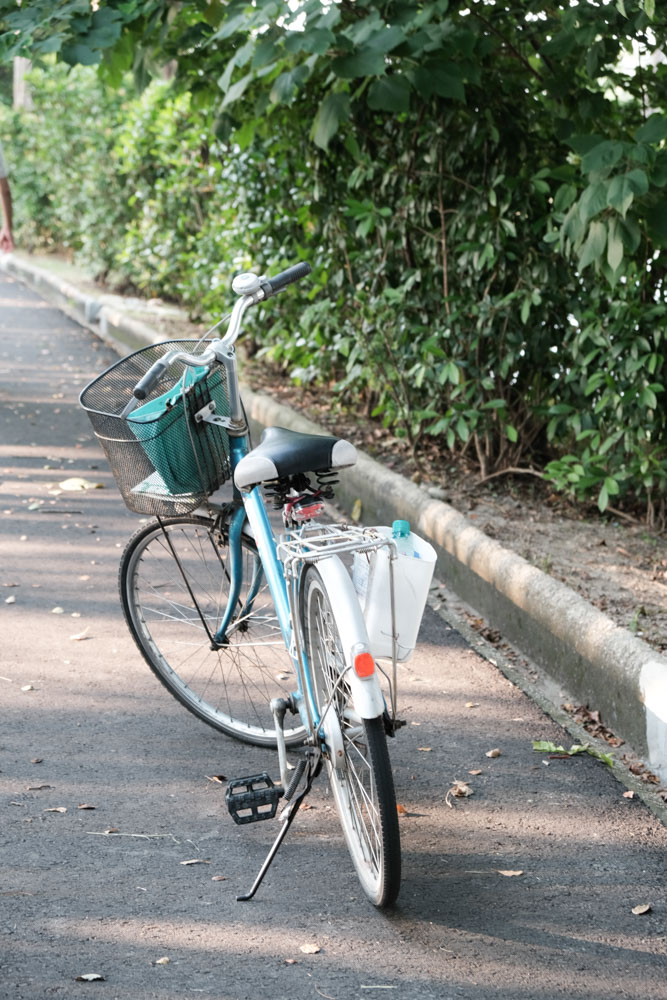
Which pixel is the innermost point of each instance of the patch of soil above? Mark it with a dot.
(611, 560)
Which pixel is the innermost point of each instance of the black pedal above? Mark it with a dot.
(250, 800)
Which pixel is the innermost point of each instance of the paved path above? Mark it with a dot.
(96, 729)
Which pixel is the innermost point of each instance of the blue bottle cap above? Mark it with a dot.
(400, 529)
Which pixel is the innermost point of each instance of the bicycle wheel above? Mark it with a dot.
(164, 604)
(362, 784)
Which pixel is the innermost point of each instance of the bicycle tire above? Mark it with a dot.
(228, 688)
(363, 785)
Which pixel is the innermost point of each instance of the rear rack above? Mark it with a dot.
(313, 542)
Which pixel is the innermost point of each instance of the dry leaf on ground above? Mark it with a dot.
(424, 749)
(84, 805)
(642, 908)
(56, 809)
(81, 635)
(195, 861)
(493, 753)
(90, 977)
(310, 949)
(162, 961)
(76, 483)
(508, 873)
(460, 790)
(401, 810)
(628, 795)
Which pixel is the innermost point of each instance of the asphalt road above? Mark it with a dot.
(524, 889)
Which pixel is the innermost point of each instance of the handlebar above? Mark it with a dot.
(150, 379)
(289, 276)
(251, 290)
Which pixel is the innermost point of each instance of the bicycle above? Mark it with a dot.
(244, 628)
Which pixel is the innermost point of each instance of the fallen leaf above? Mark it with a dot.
(219, 878)
(475, 772)
(162, 961)
(112, 829)
(356, 511)
(195, 861)
(472, 704)
(310, 949)
(424, 749)
(290, 961)
(628, 795)
(461, 789)
(56, 809)
(37, 760)
(84, 805)
(27, 687)
(77, 483)
(37, 788)
(642, 908)
(493, 753)
(507, 873)
(90, 977)
(219, 778)
(81, 635)
(57, 611)
(544, 746)
(401, 810)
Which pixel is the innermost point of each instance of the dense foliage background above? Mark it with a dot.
(480, 188)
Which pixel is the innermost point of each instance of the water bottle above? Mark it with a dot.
(400, 532)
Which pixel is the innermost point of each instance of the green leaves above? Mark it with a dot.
(602, 157)
(594, 245)
(653, 130)
(390, 93)
(334, 109)
(545, 746)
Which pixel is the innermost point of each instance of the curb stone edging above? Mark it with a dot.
(578, 646)
(109, 323)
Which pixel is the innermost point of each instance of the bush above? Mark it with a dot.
(485, 234)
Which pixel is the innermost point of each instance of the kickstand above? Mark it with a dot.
(312, 766)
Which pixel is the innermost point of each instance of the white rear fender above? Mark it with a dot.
(366, 691)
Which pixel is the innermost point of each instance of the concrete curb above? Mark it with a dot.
(108, 322)
(599, 663)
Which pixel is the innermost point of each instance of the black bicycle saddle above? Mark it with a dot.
(282, 452)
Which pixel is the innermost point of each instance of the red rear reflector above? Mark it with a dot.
(364, 665)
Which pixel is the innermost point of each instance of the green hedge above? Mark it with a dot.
(445, 297)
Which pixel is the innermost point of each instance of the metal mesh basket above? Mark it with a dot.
(167, 463)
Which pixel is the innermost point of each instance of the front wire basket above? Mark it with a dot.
(178, 462)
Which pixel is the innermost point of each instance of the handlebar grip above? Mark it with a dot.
(288, 277)
(150, 379)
